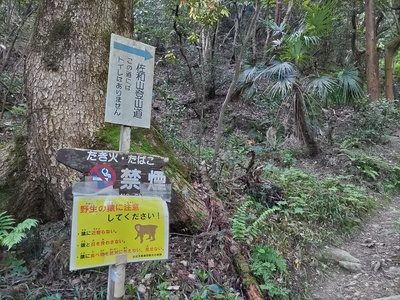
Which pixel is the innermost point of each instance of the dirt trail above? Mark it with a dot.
(377, 246)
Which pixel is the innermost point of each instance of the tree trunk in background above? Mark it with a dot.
(354, 49)
(390, 51)
(208, 61)
(302, 128)
(278, 12)
(285, 21)
(238, 64)
(371, 52)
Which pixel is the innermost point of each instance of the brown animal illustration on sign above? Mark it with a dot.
(150, 230)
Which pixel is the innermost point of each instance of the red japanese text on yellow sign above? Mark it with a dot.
(104, 227)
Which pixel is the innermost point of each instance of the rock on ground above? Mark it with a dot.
(376, 275)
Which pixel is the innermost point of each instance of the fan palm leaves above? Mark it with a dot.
(349, 85)
(284, 82)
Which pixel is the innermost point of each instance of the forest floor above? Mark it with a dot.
(198, 266)
(377, 247)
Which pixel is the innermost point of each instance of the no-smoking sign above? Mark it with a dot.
(102, 176)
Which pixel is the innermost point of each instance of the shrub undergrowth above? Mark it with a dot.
(312, 211)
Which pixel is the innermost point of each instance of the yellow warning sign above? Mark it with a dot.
(104, 227)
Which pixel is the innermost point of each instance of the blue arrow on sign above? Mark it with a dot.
(144, 53)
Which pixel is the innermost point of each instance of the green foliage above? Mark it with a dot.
(249, 219)
(12, 269)
(328, 203)
(207, 13)
(267, 265)
(57, 296)
(19, 111)
(204, 290)
(14, 82)
(375, 120)
(151, 21)
(287, 157)
(372, 168)
(367, 167)
(131, 290)
(239, 220)
(11, 235)
(350, 87)
(320, 17)
(342, 87)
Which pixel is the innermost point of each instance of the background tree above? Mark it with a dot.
(244, 40)
(14, 18)
(371, 52)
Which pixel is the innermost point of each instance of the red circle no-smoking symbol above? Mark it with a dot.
(102, 176)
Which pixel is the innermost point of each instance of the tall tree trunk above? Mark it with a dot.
(390, 50)
(284, 21)
(354, 49)
(209, 60)
(65, 86)
(278, 12)
(372, 68)
(302, 128)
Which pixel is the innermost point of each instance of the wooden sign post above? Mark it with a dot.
(129, 96)
(116, 273)
(128, 103)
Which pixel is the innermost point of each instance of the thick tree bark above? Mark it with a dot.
(390, 50)
(66, 69)
(372, 68)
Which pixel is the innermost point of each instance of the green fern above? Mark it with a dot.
(255, 227)
(239, 222)
(6, 221)
(267, 264)
(265, 253)
(243, 227)
(11, 235)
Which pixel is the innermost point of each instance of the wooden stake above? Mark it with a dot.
(116, 273)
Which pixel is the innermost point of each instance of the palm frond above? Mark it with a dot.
(283, 87)
(320, 18)
(350, 85)
(277, 29)
(280, 70)
(250, 73)
(311, 40)
(322, 86)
